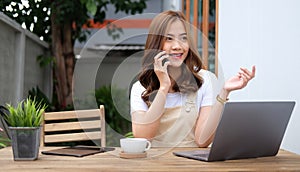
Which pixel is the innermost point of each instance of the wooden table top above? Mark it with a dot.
(158, 159)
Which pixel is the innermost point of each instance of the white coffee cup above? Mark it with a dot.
(134, 145)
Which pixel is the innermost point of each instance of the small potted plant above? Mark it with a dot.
(24, 123)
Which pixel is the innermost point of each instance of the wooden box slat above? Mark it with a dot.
(56, 124)
(71, 115)
(65, 126)
(72, 137)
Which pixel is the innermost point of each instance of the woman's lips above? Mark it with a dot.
(176, 55)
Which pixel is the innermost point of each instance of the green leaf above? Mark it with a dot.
(83, 1)
(91, 7)
(28, 113)
(3, 141)
(129, 135)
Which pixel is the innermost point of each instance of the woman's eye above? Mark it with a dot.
(169, 38)
(184, 38)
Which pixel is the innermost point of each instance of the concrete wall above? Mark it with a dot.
(97, 68)
(266, 34)
(19, 70)
(117, 68)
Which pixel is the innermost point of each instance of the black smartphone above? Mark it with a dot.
(164, 61)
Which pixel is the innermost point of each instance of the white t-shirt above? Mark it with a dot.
(204, 95)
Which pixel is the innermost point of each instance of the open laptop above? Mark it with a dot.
(247, 130)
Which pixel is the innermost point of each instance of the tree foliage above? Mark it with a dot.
(36, 14)
(59, 22)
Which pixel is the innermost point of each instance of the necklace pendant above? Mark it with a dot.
(187, 109)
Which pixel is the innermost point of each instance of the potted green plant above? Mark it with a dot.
(24, 123)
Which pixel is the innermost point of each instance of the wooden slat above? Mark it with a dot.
(195, 22)
(188, 10)
(72, 137)
(94, 119)
(66, 126)
(217, 39)
(72, 114)
(205, 28)
(103, 134)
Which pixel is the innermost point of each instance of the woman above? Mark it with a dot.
(172, 104)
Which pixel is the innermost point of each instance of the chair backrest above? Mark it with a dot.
(77, 125)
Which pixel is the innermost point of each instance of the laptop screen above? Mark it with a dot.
(248, 130)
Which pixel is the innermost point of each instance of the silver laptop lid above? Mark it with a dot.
(250, 129)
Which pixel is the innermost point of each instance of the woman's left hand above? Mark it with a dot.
(240, 80)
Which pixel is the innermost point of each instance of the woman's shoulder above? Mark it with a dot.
(137, 86)
(206, 74)
(209, 79)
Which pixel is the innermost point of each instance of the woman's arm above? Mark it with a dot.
(209, 116)
(146, 123)
(208, 120)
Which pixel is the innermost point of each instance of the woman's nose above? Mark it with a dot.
(176, 45)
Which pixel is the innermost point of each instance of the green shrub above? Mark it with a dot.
(28, 113)
(116, 103)
(3, 141)
(41, 97)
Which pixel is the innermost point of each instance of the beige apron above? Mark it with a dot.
(177, 125)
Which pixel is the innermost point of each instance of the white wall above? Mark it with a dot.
(264, 33)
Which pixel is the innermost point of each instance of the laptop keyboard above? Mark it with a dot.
(201, 153)
(196, 154)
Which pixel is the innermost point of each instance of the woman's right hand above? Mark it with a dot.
(161, 71)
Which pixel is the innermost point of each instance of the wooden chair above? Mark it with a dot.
(77, 125)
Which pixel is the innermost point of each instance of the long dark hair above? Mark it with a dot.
(189, 81)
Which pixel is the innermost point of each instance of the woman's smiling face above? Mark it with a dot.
(176, 43)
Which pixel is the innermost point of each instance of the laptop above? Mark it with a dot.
(246, 130)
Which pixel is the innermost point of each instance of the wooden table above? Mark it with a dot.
(158, 159)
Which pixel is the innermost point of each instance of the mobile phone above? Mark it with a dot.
(164, 61)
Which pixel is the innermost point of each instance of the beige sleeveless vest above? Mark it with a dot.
(177, 125)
